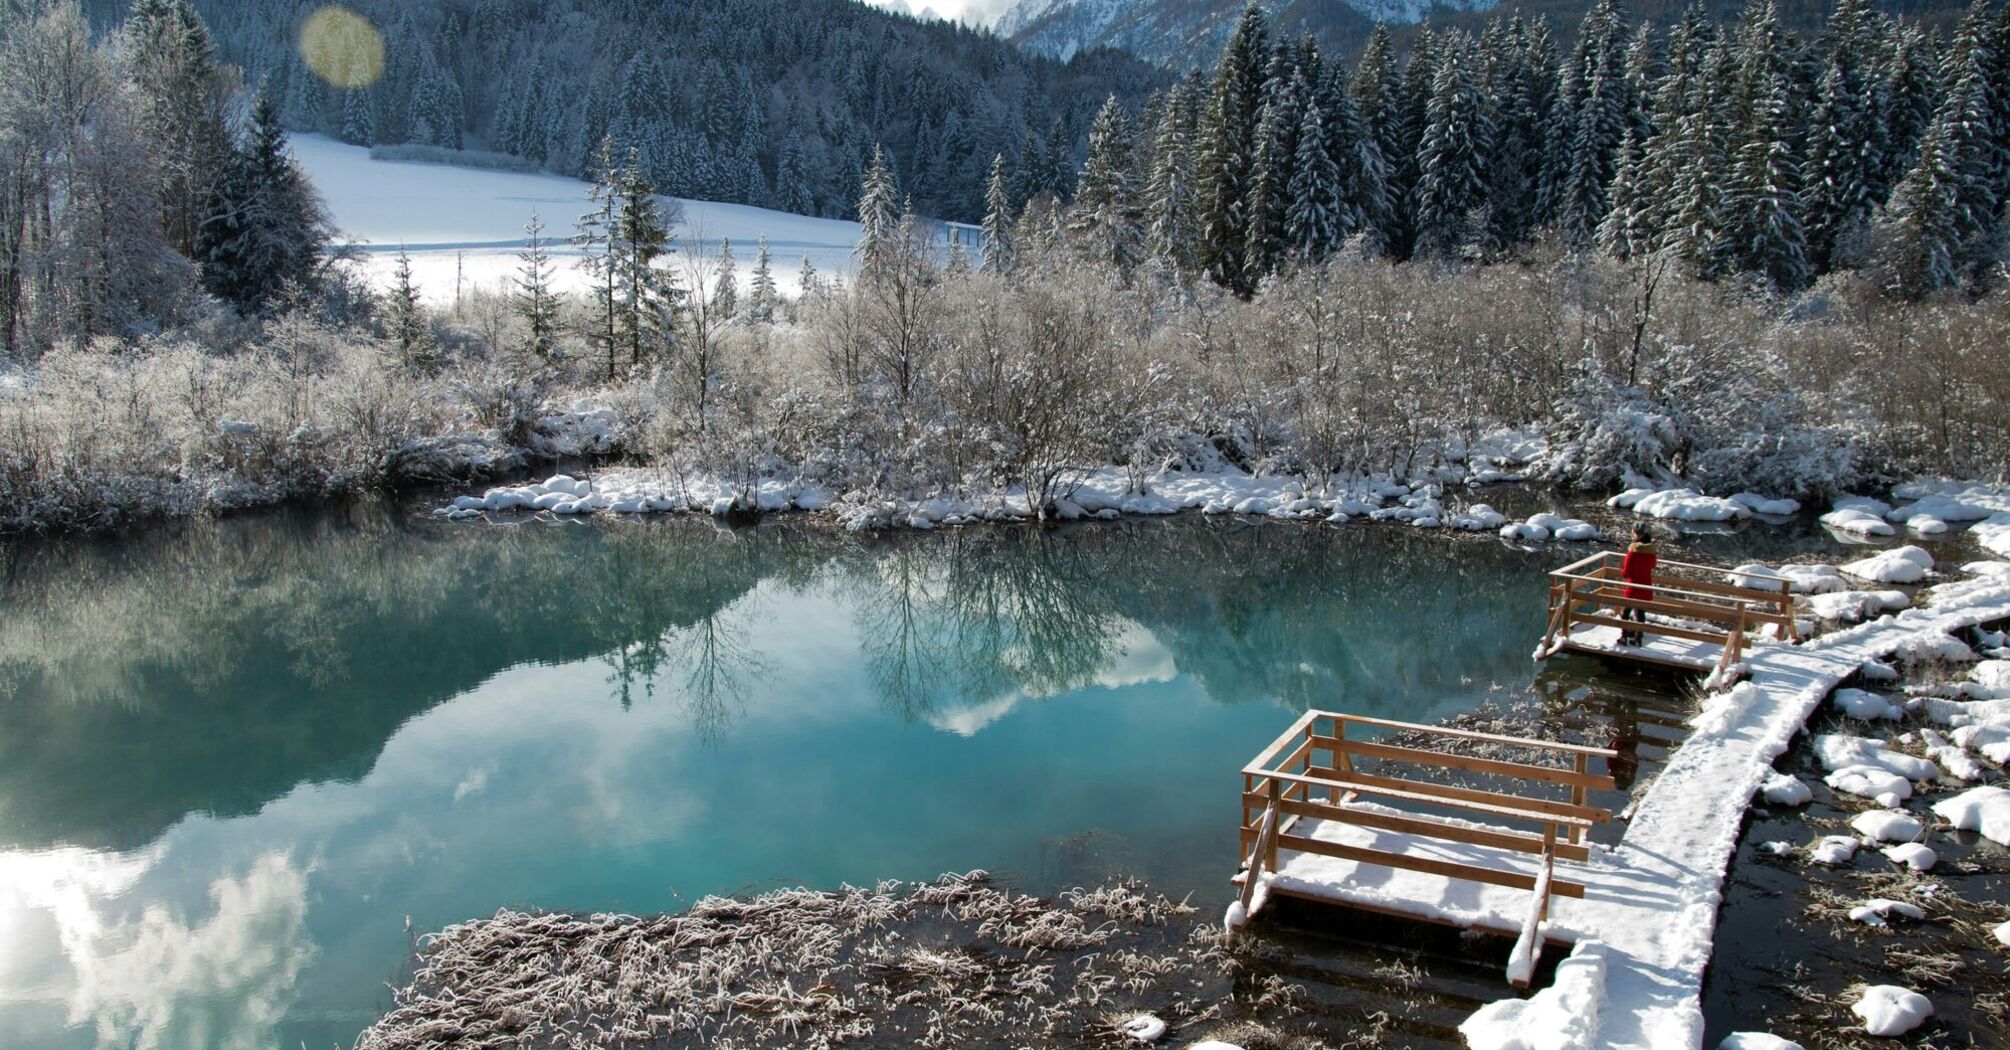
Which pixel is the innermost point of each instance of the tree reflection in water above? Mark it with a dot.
(212, 667)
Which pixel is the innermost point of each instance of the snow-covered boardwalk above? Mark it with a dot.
(1644, 924)
(1649, 913)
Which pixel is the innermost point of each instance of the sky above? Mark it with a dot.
(982, 12)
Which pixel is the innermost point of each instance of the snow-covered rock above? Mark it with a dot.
(1888, 1010)
(1884, 825)
(1983, 809)
(1757, 1041)
(1878, 911)
(1144, 1028)
(1857, 703)
(2002, 932)
(1688, 505)
(1860, 517)
(1781, 789)
(1914, 855)
(1839, 751)
(1900, 565)
(1757, 504)
(1833, 850)
(1854, 606)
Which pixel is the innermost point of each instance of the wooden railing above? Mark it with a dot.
(1288, 783)
(1691, 602)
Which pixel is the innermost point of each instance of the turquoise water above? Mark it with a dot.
(237, 758)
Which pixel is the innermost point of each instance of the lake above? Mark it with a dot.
(244, 764)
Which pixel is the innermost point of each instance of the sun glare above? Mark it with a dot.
(342, 47)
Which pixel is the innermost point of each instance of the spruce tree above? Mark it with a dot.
(1172, 199)
(1920, 234)
(645, 321)
(1767, 236)
(535, 301)
(1107, 214)
(878, 217)
(263, 229)
(1452, 157)
(1316, 222)
(1227, 153)
(726, 293)
(405, 319)
(597, 237)
(997, 219)
(761, 295)
(808, 284)
(1270, 181)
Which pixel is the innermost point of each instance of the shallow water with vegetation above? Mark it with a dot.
(242, 761)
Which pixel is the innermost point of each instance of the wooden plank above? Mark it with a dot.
(1491, 803)
(1652, 628)
(1419, 824)
(1503, 930)
(1448, 869)
(1467, 734)
(1471, 764)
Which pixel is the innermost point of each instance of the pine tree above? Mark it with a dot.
(1107, 214)
(405, 317)
(597, 237)
(726, 293)
(1625, 231)
(878, 217)
(1920, 235)
(170, 59)
(1767, 236)
(1227, 153)
(1317, 222)
(535, 301)
(997, 219)
(263, 229)
(808, 284)
(1171, 199)
(761, 295)
(645, 323)
(1597, 95)
(1452, 157)
(1270, 183)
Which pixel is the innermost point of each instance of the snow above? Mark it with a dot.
(1145, 1028)
(1883, 825)
(1833, 850)
(1982, 809)
(1878, 910)
(1781, 789)
(1801, 579)
(1857, 703)
(1888, 1010)
(1839, 752)
(1854, 606)
(1860, 517)
(1683, 505)
(1757, 504)
(1757, 1041)
(1563, 1016)
(1546, 526)
(470, 221)
(1900, 565)
(1994, 533)
(1914, 855)
(2003, 934)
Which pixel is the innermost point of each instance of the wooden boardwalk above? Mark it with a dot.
(1694, 621)
(1508, 860)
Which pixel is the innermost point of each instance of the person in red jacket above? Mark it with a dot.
(1638, 572)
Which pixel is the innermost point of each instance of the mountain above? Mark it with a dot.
(1187, 33)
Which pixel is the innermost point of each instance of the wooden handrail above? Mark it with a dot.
(1422, 824)
(1367, 785)
(1467, 734)
(1418, 756)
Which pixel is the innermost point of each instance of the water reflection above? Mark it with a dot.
(235, 757)
(210, 669)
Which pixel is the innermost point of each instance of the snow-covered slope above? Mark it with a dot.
(465, 226)
(1191, 32)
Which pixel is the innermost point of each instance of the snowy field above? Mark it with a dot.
(463, 227)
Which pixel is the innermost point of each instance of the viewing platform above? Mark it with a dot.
(1331, 813)
(1694, 621)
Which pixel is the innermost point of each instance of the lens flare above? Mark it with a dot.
(342, 47)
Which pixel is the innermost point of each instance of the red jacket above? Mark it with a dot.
(1638, 568)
